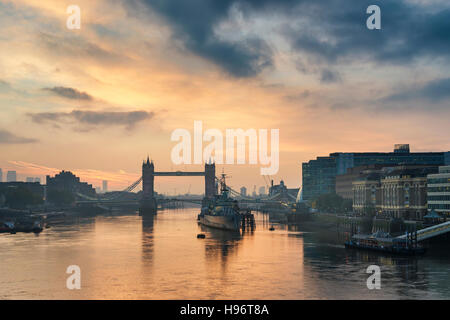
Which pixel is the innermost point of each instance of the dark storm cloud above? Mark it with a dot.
(335, 30)
(194, 22)
(69, 93)
(93, 118)
(327, 30)
(7, 137)
(434, 91)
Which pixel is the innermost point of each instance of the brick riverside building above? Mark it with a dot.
(344, 182)
(399, 192)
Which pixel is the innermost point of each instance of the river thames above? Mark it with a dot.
(133, 257)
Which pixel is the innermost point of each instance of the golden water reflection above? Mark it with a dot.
(159, 257)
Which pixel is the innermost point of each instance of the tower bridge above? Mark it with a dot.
(148, 202)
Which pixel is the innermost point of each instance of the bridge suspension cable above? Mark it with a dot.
(126, 190)
(118, 195)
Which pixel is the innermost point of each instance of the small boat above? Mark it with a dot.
(35, 227)
(385, 243)
(7, 227)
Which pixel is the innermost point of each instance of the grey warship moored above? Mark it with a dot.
(223, 212)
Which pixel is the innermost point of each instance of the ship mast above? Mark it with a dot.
(223, 185)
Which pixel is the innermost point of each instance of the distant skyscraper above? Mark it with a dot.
(11, 176)
(1, 175)
(105, 186)
(29, 179)
(244, 191)
(262, 190)
(37, 179)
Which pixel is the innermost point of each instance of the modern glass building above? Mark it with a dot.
(438, 192)
(319, 175)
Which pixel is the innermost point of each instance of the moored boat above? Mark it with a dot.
(29, 226)
(385, 243)
(7, 227)
(223, 212)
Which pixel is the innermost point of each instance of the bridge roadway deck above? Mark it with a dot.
(179, 173)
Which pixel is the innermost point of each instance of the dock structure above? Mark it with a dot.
(248, 221)
(429, 232)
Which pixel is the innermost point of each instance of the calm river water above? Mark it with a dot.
(133, 257)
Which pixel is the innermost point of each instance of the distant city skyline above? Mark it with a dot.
(11, 176)
(18, 176)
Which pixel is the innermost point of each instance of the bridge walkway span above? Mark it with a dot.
(431, 232)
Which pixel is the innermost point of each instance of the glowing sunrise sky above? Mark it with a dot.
(98, 100)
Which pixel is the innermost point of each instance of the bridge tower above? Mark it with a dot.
(148, 201)
(210, 180)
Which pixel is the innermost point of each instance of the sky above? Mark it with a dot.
(99, 100)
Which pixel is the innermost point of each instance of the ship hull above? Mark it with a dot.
(231, 223)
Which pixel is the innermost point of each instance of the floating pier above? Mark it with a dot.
(248, 221)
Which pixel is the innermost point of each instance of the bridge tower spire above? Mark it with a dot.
(148, 201)
(210, 180)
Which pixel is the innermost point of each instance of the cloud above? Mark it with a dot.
(69, 93)
(297, 97)
(333, 31)
(193, 23)
(74, 46)
(93, 118)
(329, 76)
(434, 91)
(329, 31)
(7, 137)
(4, 86)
